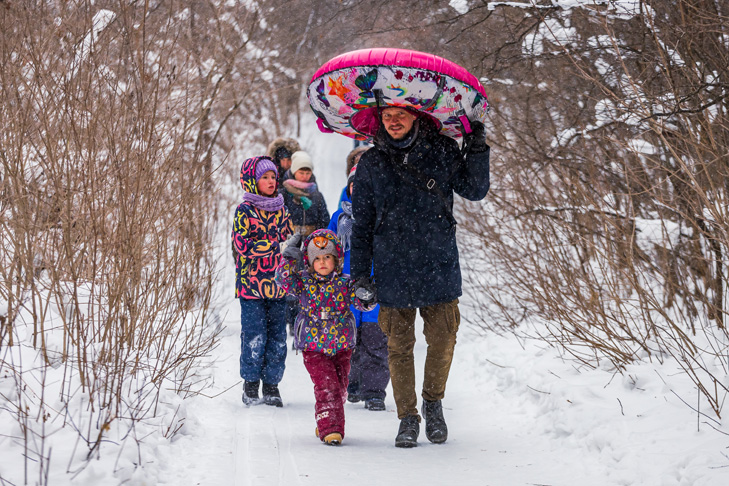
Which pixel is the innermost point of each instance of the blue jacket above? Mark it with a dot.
(366, 316)
(403, 228)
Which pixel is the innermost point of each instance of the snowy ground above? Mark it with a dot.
(517, 415)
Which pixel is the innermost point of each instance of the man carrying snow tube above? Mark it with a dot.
(404, 227)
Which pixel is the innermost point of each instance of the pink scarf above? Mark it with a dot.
(298, 188)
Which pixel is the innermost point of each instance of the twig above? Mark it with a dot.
(720, 431)
(692, 408)
(194, 393)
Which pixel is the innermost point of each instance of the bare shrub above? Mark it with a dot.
(108, 209)
(608, 218)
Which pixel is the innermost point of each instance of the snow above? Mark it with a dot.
(564, 137)
(550, 30)
(101, 20)
(518, 414)
(641, 146)
(460, 6)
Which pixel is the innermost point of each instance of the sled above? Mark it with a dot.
(348, 91)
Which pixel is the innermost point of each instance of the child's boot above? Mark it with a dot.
(271, 395)
(333, 439)
(250, 393)
(375, 404)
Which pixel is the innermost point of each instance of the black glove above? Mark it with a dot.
(476, 140)
(365, 291)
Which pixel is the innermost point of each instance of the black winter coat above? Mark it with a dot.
(403, 228)
(316, 217)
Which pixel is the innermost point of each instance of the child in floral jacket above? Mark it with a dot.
(325, 327)
(260, 225)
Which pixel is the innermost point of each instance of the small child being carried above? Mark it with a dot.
(325, 327)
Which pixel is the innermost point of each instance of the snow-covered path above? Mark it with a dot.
(227, 443)
(517, 416)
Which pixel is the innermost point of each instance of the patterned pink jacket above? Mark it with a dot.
(256, 237)
(325, 323)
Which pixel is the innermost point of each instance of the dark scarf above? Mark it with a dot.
(384, 140)
(344, 225)
(398, 149)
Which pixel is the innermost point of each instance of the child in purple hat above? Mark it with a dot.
(260, 225)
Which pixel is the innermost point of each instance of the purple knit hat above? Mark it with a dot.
(263, 166)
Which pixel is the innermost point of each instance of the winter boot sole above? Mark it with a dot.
(406, 443)
(273, 401)
(250, 402)
(333, 439)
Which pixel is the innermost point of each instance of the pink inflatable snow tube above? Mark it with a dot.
(347, 92)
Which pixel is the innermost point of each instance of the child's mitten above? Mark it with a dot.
(292, 252)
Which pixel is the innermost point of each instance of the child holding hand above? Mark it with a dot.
(324, 328)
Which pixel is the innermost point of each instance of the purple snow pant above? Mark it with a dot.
(370, 372)
(330, 377)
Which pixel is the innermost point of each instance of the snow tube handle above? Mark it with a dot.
(322, 127)
(465, 122)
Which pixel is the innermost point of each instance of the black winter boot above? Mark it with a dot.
(375, 404)
(436, 429)
(250, 392)
(407, 434)
(271, 395)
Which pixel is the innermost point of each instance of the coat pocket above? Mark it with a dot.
(384, 320)
(299, 336)
(453, 316)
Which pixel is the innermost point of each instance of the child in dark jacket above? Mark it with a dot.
(325, 327)
(302, 198)
(260, 225)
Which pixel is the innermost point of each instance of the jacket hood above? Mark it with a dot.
(328, 234)
(344, 197)
(354, 153)
(289, 143)
(248, 174)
